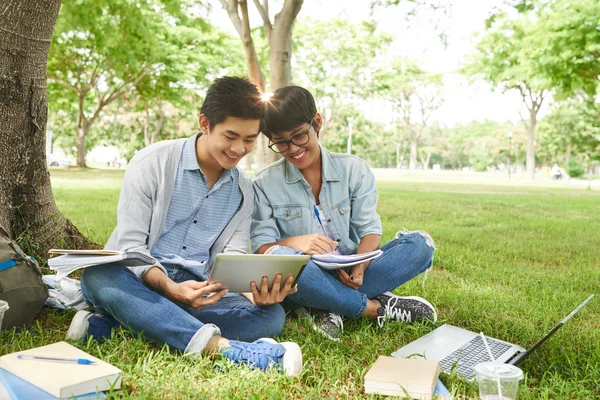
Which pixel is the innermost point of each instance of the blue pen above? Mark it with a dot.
(316, 210)
(83, 361)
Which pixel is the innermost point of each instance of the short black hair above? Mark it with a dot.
(232, 96)
(288, 108)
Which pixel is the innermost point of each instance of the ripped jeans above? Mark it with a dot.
(403, 258)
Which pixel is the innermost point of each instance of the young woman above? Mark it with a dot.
(311, 180)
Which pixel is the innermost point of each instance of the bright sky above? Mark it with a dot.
(463, 102)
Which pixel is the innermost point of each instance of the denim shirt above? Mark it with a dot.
(284, 203)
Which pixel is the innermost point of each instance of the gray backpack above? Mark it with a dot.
(21, 284)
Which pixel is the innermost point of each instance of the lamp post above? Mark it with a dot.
(509, 150)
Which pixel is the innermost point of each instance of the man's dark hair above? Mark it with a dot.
(288, 108)
(231, 96)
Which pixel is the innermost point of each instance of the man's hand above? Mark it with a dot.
(355, 278)
(196, 294)
(313, 243)
(264, 297)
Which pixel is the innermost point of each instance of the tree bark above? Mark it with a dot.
(530, 160)
(27, 207)
(280, 44)
(425, 160)
(412, 163)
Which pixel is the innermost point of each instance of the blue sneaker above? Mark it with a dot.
(85, 324)
(266, 353)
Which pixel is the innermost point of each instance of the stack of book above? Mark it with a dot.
(403, 377)
(55, 371)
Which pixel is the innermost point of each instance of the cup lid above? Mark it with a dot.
(3, 305)
(491, 370)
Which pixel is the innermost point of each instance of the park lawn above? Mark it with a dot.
(509, 262)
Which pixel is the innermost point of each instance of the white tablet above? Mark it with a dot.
(236, 271)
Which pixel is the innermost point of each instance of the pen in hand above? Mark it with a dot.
(319, 219)
(83, 361)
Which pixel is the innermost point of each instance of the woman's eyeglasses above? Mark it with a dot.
(298, 139)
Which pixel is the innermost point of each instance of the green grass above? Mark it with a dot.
(510, 261)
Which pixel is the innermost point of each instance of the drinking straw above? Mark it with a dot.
(487, 347)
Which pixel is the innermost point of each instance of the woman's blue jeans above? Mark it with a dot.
(117, 293)
(403, 258)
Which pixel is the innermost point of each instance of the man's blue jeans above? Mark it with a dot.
(403, 258)
(117, 293)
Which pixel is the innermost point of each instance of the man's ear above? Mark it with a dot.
(204, 124)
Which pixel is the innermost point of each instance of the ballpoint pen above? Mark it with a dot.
(83, 361)
(316, 210)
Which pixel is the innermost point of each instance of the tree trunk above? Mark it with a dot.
(425, 161)
(27, 207)
(398, 161)
(81, 147)
(530, 163)
(590, 172)
(412, 164)
(280, 58)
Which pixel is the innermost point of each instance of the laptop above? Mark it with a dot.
(459, 350)
(236, 271)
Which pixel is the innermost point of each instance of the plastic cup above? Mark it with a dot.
(498, 381)
(3, 308)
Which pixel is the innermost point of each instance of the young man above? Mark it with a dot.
(182, 202)
(341, 189)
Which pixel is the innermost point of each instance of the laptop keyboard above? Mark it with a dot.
(471, 354)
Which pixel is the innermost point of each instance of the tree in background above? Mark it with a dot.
(570, 135)
(334, 62)
(501, 58)
(27, 208)
(564, 45)
(104, 50)
(414, 93)
(278, 32)
(368, 140)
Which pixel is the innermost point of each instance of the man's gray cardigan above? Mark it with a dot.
(144, 203)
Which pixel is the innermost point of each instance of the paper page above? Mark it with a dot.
(336, 257)
(84, 252)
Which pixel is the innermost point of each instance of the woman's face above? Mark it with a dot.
(300, 146)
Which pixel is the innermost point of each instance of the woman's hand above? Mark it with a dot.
(313, 243)
(353, 280)
(196, 294)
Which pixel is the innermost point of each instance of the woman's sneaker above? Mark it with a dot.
(266, 353)
(326, 323)
(406, 309)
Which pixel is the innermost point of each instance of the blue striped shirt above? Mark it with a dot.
(196, 215)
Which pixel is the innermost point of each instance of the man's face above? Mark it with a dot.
(231, 140)
(300, 146)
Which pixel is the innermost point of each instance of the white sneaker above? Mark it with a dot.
(79, 325)
(292, 359)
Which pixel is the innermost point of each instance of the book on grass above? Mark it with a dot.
(61, 379)
(335, 260)
(68, 261)
(14, 388)
(403, 377)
